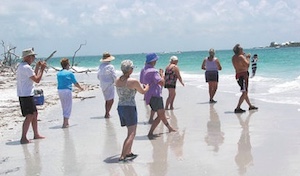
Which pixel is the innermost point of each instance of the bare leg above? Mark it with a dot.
(151, 117)
(108, 105)
(34, 124)
(170, 99)
(161, 117)
(153, 126)
(241, 100)
(66, 123)
(26, 124)
(127, 145)
(212, 86)
(173, 94)
(161, 114)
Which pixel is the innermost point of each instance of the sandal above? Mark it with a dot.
(131, 156)
(239, 110)
(253, 108)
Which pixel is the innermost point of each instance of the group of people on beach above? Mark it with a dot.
(150, 84)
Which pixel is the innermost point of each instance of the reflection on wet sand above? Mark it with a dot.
(244, 157)
(176, 140)
(159, 165)
(33, 159)
(128, 169)
(69, 157)
(214, 137)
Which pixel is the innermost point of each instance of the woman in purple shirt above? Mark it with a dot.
(153, 97)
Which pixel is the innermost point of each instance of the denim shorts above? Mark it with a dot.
(127, 115)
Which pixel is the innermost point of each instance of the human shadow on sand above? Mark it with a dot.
(98, 117)
(112, 159)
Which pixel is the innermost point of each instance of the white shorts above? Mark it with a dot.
(65, 96)
(109, 93)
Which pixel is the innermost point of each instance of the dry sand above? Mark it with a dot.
(210, 140)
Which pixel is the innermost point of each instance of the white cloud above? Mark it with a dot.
(141, 25)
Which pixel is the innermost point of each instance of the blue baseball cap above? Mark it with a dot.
(151, 57)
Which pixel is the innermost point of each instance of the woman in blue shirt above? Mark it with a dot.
(65, 79)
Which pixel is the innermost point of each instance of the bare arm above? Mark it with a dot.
(135, 84)
(218, 64)
(177, 72)
(203, 64)
(78, 86)
(39, 70)
(162, 81)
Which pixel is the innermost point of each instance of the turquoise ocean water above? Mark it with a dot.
(277, 79)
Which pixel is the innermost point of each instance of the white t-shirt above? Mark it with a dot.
(25, 86)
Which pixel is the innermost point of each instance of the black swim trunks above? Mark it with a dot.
(27, 105)
(242, 80)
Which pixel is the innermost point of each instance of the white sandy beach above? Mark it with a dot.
(210, 140)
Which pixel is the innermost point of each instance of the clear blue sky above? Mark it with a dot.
(136, 26)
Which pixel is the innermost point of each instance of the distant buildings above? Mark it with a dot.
(285, 44)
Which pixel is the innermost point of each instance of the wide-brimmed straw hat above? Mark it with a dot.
(107, 57)
(28, 52)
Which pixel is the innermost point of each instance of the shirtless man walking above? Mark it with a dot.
(241, 65)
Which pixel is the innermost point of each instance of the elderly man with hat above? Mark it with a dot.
(26, 77)
(154, 96)
(107, 76)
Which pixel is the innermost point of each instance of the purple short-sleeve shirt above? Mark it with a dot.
(152, 77)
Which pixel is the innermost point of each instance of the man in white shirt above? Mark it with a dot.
(26, 77)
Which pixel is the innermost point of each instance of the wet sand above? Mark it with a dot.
(210, 140)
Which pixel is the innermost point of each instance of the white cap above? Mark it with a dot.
(173, 58)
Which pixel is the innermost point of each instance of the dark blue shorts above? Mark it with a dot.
(127, 115)
(27, 105)
(211, 76)
(156, 103)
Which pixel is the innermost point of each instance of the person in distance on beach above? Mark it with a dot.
(211, 65)
(65, 79)
(241, 66)
(26, 77)
(172, 73)
(126, 90)
(154, 96)
(107, 76)
(254, 64)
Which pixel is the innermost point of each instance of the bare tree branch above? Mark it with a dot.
(76, 52)
(50, 56)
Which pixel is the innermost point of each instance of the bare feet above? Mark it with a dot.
(65, 126)
(171, 108)
(39, 137)
(152, 136)
(24, 141)
(171, 130)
